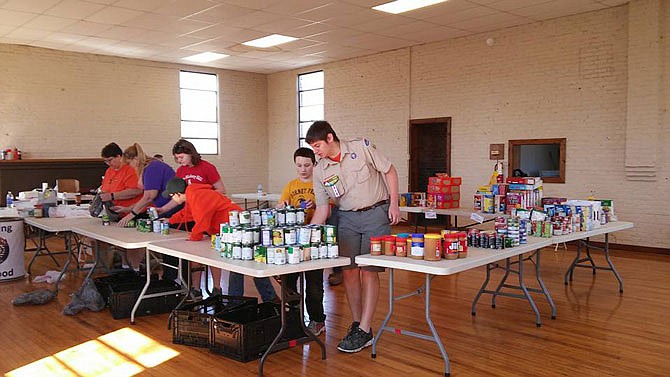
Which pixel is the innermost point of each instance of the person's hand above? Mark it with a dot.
(282, 204)
(308, 204)
(124, 221)
(394, 213)
(105, 196)
(159, 210)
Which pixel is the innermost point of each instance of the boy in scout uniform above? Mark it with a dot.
(364, 185)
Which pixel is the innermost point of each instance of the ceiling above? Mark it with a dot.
(327, 30)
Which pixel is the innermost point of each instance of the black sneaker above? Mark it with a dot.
(355, 341)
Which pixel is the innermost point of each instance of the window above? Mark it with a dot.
(310, 102)
(538, 158)
(199, 97)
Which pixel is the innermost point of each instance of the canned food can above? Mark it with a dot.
(290, 216)
(153, 213)
(314, 251)
(304, 235)
(290, 236)
(256, 218)
(247, 252)
(277, 236)
(260, 254)
(247, 236)
(330, 234)
(130, 224)
(270, 255)
(306, 252)
(217, 243)
(280, 255)
(245, 218)
(264, 217)
(323, 251)
(237, 251)
(300, 216)
(257, 235)
(333, 251)
(266, 236)
(157, 226)
(280, 217)
(315, 234)
(293, 254)
(237, 235)
(234, 218)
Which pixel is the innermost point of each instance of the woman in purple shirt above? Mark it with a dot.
(154, 175)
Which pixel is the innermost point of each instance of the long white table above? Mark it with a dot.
(56, 225)
(201, 252)
(265, 198)
(478, 257)
(583, 240)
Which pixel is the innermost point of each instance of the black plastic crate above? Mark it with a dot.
(192, 321)
(124, 295)
(244, 334)
(104, 283)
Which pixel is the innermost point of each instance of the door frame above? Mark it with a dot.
(414, 126)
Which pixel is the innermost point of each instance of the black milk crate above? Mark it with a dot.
(124, 295)
(104, 283)
(192, 321)
(244, 334)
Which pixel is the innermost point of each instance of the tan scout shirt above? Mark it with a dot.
(357, 181)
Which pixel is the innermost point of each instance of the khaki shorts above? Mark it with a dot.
(355, 229)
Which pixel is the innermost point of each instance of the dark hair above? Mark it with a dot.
(319, 130)
(304, 152)
(185, 146)
(111, 150)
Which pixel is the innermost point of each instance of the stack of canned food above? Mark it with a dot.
(275, 237)
(152, 224)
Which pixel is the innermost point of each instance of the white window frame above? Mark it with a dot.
(187, 123)
(302, 121)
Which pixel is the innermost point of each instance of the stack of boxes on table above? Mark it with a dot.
(518, 192)
(443, 192)
(275, 237)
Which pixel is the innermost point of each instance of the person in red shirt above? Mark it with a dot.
(208, 208)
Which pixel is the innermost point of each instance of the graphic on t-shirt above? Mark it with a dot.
(190, 178)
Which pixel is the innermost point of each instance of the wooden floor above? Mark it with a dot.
(598, 332)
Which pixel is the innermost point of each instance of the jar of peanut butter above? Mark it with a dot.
(432, 247)
(375, 246)
(401, 245)
(389, 245)
(451, 246)
(416, 251)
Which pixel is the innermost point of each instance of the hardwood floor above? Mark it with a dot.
(598, 332)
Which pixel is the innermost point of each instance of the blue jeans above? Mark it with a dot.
(263, 286)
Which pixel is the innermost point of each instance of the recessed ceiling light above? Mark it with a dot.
(205, 57)
(269, 41)
(400, 6)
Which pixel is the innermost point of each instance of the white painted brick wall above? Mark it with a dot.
(56, 104)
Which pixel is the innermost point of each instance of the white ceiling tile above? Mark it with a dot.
(375, 42)
(251, 4)
(113, 15)
(448, 19)
(4, 29)
(555, 9)
(75, 9)
(96, 43)
(309, 30)
(364, 16)
(335, 9)
(28, 35)
(144, 5)
(106, 2)
(182, 26)
(335, 35)
(85, 28)
(121, 33)
(244, 35)
(150, 21)
(221, 13)
(282, 26)
(152, 37)
(483, 23)
(298, 44)
(34, 6)
(507, 5)
(48, 44)
(437, 33)
(437, 10)
(214, 31)
(292, 7)
(15, 18)
(383, 23)
(64, 38)
(184, 8)
(50, 23)
(367, 3)
(179, 42)
(614, 2)
(250, 20)
(214, 45)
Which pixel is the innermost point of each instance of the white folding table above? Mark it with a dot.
(201, 252)
(264, 198)
(455, 212)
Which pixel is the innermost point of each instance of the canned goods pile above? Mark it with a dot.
(155, 226)
(430, 246)
(275, 237)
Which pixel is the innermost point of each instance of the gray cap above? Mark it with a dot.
(174, 185)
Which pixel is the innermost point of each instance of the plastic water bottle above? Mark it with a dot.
(259, 190)
(9, 199)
